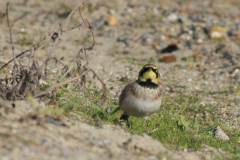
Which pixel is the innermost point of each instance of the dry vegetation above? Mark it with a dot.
(26, 76)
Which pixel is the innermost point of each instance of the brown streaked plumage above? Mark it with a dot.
(142, 97)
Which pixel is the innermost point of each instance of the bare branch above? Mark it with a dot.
(14, 58)
(26, 75)
(60, 84)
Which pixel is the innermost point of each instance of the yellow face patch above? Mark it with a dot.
(149, 72)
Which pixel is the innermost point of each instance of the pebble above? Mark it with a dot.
(218, 32)
(236, 77)
(188, 44)
(170, 48)
(231, 33)
(227, 55)
(222, 24)
(112, 21)
(219, 47)
(108, 110)
(195, 35)
(172, 17)
(207, 30)
(218, 133)
(168, 59)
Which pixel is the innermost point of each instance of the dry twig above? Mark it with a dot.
(25, 77)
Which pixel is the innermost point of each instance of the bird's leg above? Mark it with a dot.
(128, 123)
(124, 116)
(147, 120)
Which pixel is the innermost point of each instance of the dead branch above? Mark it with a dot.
(25, 77)
(60, 84)
(10, 32)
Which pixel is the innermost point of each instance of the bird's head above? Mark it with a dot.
(149, 73)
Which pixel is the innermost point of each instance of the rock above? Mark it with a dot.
(196, 56)
(207, 30)
(219, 47)
(169, 49)
(112, 21)
(53, 121)
(218, 133)
(172, 17)
(236, 38)
(188, 44)
(100, 22)
(108, 110)
(218, 32)
(168, 59)
(222, 24)
(231, 33)
(199, 41)
(195, 35)
(236, 77)
(227, 55)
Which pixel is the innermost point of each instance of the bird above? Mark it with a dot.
(142, 97)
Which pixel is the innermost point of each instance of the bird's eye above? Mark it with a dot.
(155, 71)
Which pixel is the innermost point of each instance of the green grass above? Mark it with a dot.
(25, 41)
(179, 124)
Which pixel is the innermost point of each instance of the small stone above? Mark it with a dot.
(172, 17)
(199, 41)
(227, 55)
(184, 59)
(188, 44)
(196, 55)
(206, 115)
(210, 19)
(108, 110)
(236, 77)
(168, 59)
(231, 33)
(195, 35)
(219, 29)
(169, 49)
(175, 41)
(219, 47)
(236, 38)
(207, 30)
(218, 32)
(218, 133)
(112, 21)
(162, 44)
(222, 24)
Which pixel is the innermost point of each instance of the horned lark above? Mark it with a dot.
(142, 97)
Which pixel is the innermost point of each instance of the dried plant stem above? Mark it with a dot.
(60, 84)
(14, 58)
(26, 75)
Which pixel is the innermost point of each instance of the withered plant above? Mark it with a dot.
(25, 78)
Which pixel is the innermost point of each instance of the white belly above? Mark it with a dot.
(139, 107)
